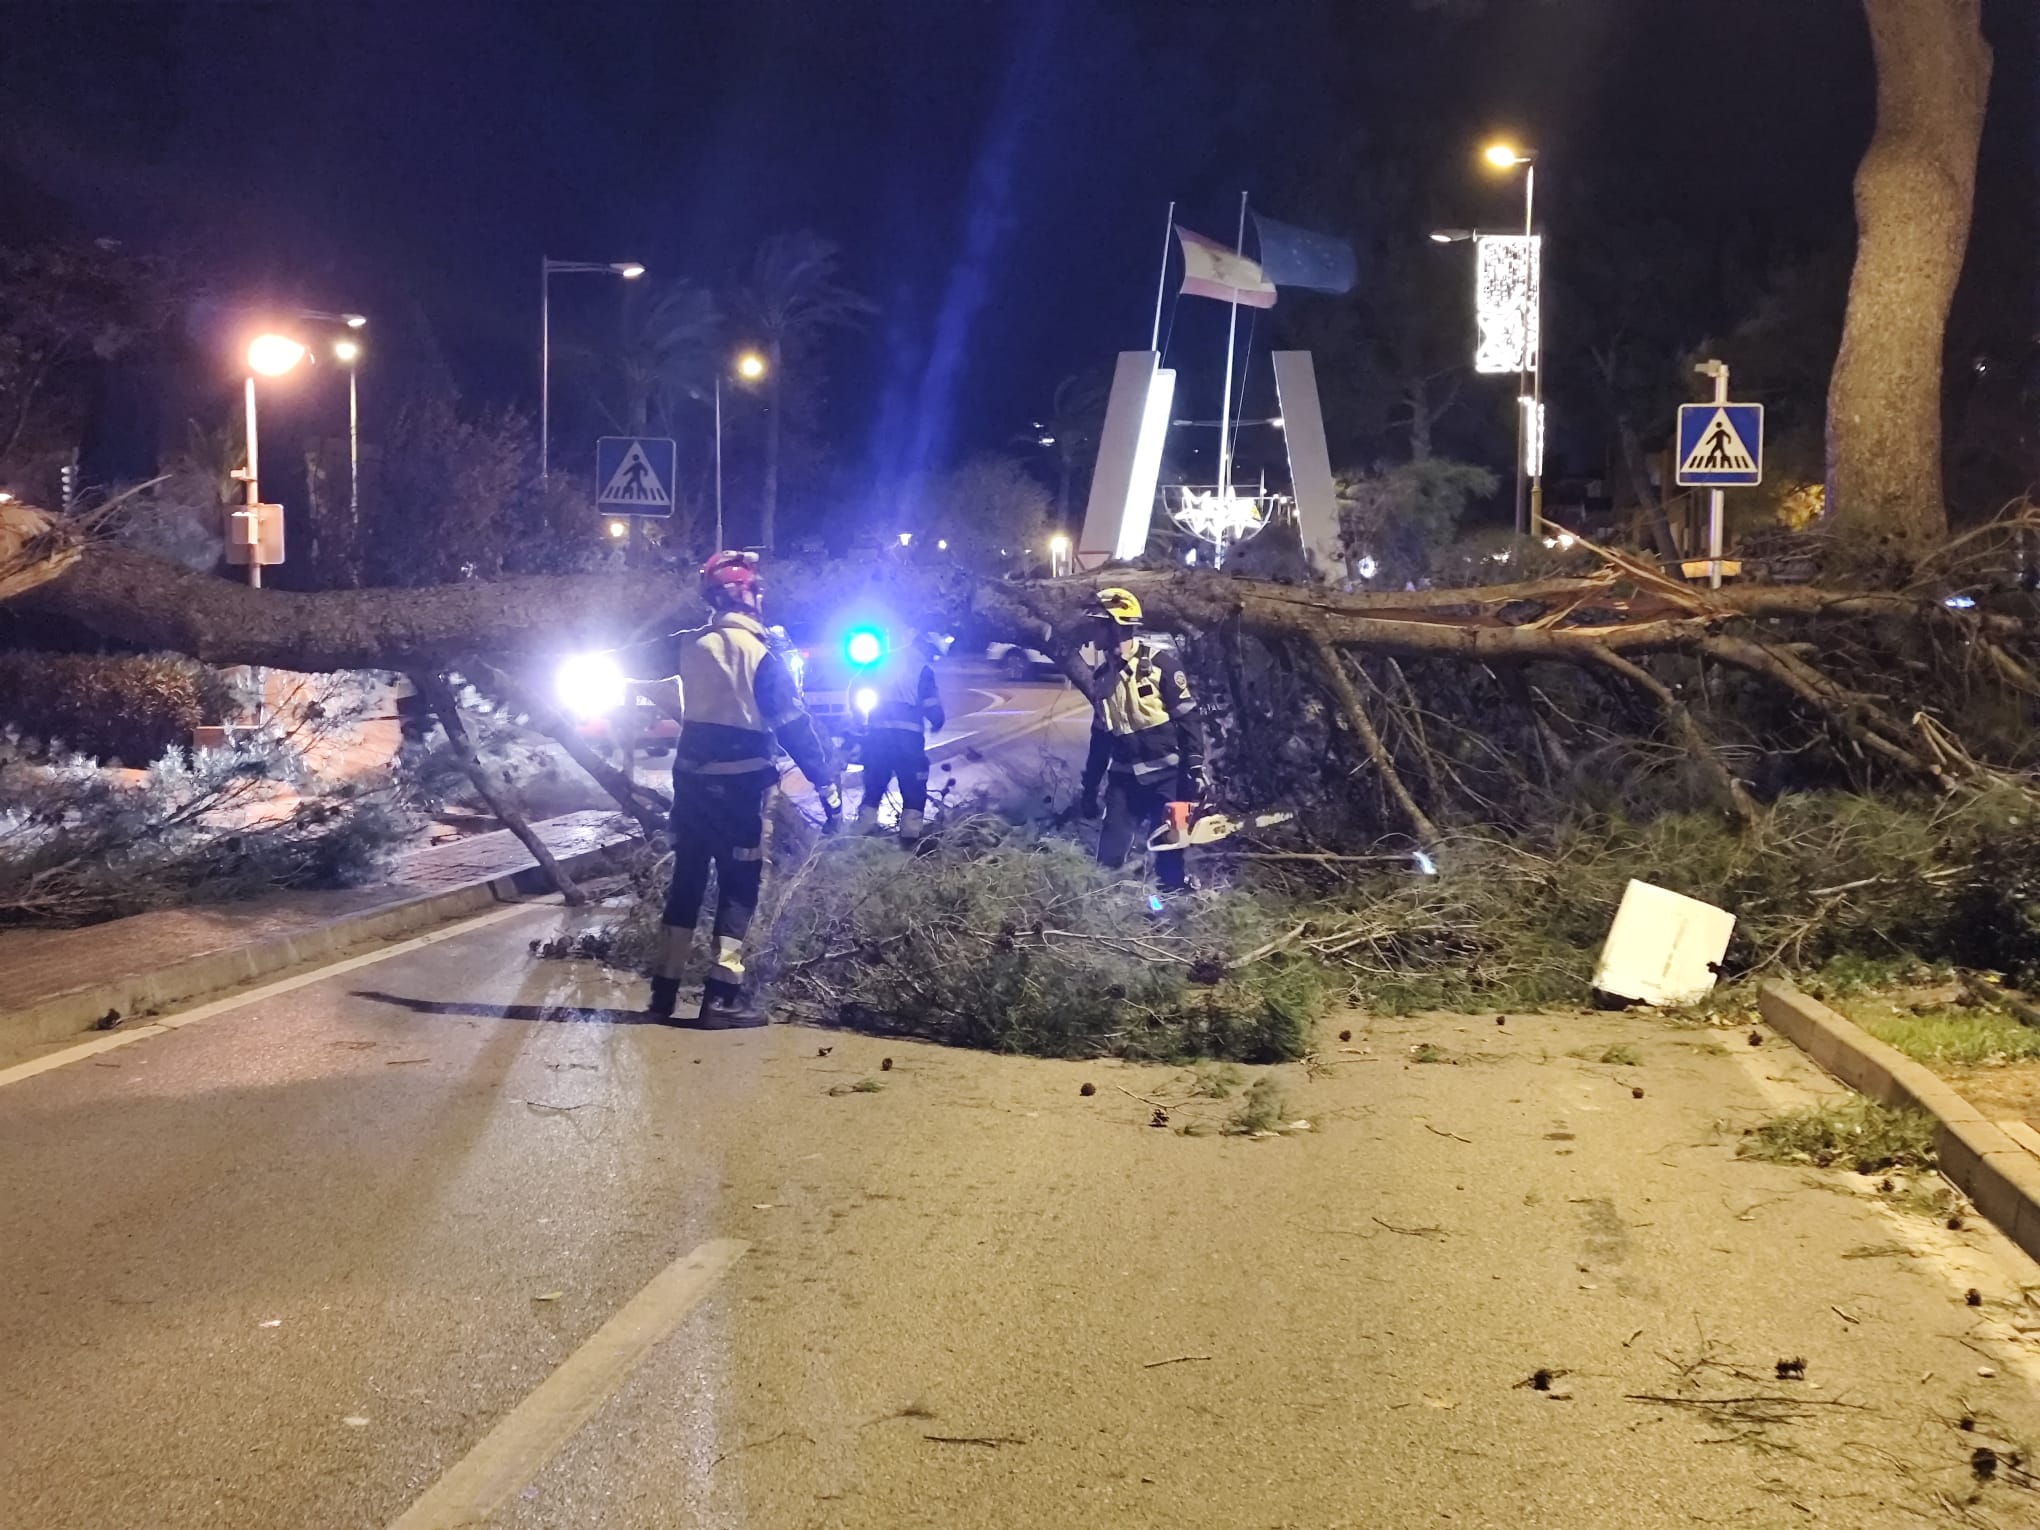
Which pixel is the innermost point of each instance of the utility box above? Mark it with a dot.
(1663, 948)
(255, 534)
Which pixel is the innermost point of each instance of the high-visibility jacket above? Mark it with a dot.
(735, 696)
(1144, 723)
(907, 699)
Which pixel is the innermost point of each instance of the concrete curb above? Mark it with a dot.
(2002, 1178)
(213, 973)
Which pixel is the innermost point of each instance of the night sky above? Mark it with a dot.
(997, 171)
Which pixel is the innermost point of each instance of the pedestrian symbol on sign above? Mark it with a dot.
(1720, 450)
(634, 475)
(634, 482)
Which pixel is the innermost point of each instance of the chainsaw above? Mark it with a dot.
(1181, 830)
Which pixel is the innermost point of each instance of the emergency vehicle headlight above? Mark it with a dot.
(589, 684)
(863, 647)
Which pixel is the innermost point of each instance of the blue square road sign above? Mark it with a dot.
(1721, 446)
(634, 475)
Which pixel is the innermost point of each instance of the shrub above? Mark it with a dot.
(125, 707)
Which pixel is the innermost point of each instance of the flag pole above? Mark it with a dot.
(1231, 332)
(1162, 278)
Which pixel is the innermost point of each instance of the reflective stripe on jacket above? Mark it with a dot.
(725, 729)
(1145, 708)
(907, 698)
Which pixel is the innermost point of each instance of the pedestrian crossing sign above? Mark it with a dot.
(1721, 446)
(634, 475)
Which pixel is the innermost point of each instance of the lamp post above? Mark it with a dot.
(749, 367)
(347, 353)
(629, 270)
(1530, 382)
(270, 356)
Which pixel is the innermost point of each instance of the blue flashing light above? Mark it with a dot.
(863, 647)
(1960, 602)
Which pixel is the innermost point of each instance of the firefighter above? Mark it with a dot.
(896, 734)
(1147, 745)
(735, 696)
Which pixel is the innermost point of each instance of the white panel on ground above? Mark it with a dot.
(1129, 460)
(1310, 462)
(1663, 947)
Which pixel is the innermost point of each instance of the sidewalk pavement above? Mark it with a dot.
(56, 983)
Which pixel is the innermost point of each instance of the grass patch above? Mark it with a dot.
(1216, 1083)
(1426, 1052)
(1855, 1133)
(1515, 923)
(1262, 1110)
(1970, 1038)
(1622, 1055)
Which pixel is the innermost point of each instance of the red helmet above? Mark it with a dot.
(731, 578)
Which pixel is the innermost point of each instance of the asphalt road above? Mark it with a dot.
(442, 1238)
(1004, 739)
(293, 1264)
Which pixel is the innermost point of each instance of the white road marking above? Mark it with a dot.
(531, 1433)
(179, 1019)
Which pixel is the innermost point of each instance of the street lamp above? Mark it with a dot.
(270, 356)
(629, 270)
(1058, 550)
(1530, 382)
(749, 367)
(347, 352)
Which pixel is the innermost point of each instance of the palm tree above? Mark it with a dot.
(791, 298)
(1069, 432)
(667, 352)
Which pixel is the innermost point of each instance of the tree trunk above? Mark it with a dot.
(1418, 398)
(1914, 192)
(768, 521)
(439, 696)
(145, 602)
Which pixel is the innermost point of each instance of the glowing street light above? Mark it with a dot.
(619, 529)
(629, 270)
(750, 366)
(1503, 156)
(274, 355)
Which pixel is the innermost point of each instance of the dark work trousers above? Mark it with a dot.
(719, 821)
(891, 753)
(1132, 809)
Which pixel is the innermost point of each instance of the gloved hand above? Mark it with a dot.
(1088, 808)
(1193, 785)
(832, 810)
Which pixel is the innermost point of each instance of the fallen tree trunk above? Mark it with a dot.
(146, 602)
(439, 696)
(1869, 679)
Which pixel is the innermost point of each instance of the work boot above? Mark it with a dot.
(665, 998)
(724, 1007)
(910, 828)
(867, 820)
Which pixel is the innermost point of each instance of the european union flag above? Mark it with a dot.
(1295, 257)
